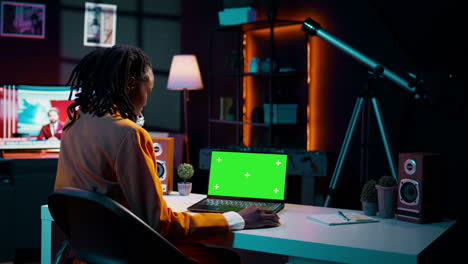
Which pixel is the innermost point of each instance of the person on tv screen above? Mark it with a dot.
(105, 149)
(53, 130)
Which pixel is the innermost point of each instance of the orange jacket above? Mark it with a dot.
(115, 156)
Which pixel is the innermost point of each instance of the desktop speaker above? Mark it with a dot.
(164, 150)
(419, 195)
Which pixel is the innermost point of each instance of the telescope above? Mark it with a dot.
(366, 99)
(411, 86)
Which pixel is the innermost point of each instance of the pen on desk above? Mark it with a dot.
(344, 216)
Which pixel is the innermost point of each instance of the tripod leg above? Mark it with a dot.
(365, 141)
(383, 133)
(344, 149)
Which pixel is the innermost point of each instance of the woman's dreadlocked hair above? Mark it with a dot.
(101, 79)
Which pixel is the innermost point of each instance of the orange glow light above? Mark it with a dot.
(246, 98)
(316, 105)
(316, 73)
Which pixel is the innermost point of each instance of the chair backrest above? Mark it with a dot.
(103, 231)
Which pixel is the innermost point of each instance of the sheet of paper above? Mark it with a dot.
(337, 219)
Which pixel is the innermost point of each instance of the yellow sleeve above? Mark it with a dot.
(135, 166)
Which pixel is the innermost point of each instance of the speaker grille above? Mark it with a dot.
(409, 192)
(161, 170)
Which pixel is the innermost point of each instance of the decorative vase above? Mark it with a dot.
(254, 64)
(268, 65)
(369, 208)
(184, 188)
(386, 199)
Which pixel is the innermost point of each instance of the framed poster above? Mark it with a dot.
(23, 20)
(100, 24)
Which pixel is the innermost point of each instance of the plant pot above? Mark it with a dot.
(369, 208)
(386, 199)
(184, 188)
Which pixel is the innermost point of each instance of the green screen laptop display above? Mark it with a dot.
(250, 175)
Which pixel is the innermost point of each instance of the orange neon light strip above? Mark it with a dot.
(308, 104)
(245, 97)
(315, 82)
(315, 118)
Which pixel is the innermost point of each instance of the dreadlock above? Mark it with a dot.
(101, 78)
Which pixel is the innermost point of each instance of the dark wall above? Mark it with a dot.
(32, 60)
(417, 37)
(151, 25)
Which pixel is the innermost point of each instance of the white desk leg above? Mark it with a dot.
(46, 241)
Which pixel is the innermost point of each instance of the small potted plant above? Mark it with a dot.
(386, 190)
(185, 172)
(369, 198)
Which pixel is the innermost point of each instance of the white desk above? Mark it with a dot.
(305, 241)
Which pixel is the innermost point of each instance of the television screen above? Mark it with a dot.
(27, 111)
(34, 103)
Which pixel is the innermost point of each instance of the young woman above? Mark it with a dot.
(105, 150)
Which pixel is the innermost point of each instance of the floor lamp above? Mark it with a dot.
(185, 75)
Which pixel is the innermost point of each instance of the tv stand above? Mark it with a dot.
(25, 184)
(30, 154)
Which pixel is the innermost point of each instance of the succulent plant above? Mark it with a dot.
(387, 181)
(369, 193)
(185, 171)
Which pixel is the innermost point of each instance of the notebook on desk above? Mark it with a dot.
(341, 219)
(240, 179)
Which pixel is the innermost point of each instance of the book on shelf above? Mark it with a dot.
(341, 219)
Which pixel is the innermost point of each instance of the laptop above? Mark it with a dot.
(240, 179)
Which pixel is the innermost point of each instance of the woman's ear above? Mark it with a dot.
(131, 84)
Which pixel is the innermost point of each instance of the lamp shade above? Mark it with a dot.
(184, 73)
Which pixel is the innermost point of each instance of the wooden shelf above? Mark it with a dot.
(259, 74)
(232, 122)
(250, 90)
(258, 25)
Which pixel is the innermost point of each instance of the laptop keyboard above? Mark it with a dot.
(239, 203)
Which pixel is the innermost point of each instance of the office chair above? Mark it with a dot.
(102, 231)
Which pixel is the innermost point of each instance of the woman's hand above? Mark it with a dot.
(257, 217)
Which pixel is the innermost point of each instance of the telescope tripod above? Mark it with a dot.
(368, 99)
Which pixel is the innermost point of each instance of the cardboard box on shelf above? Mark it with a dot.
(235, 16)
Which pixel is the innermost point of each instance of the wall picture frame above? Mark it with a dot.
(22, 20)
(99, 25)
